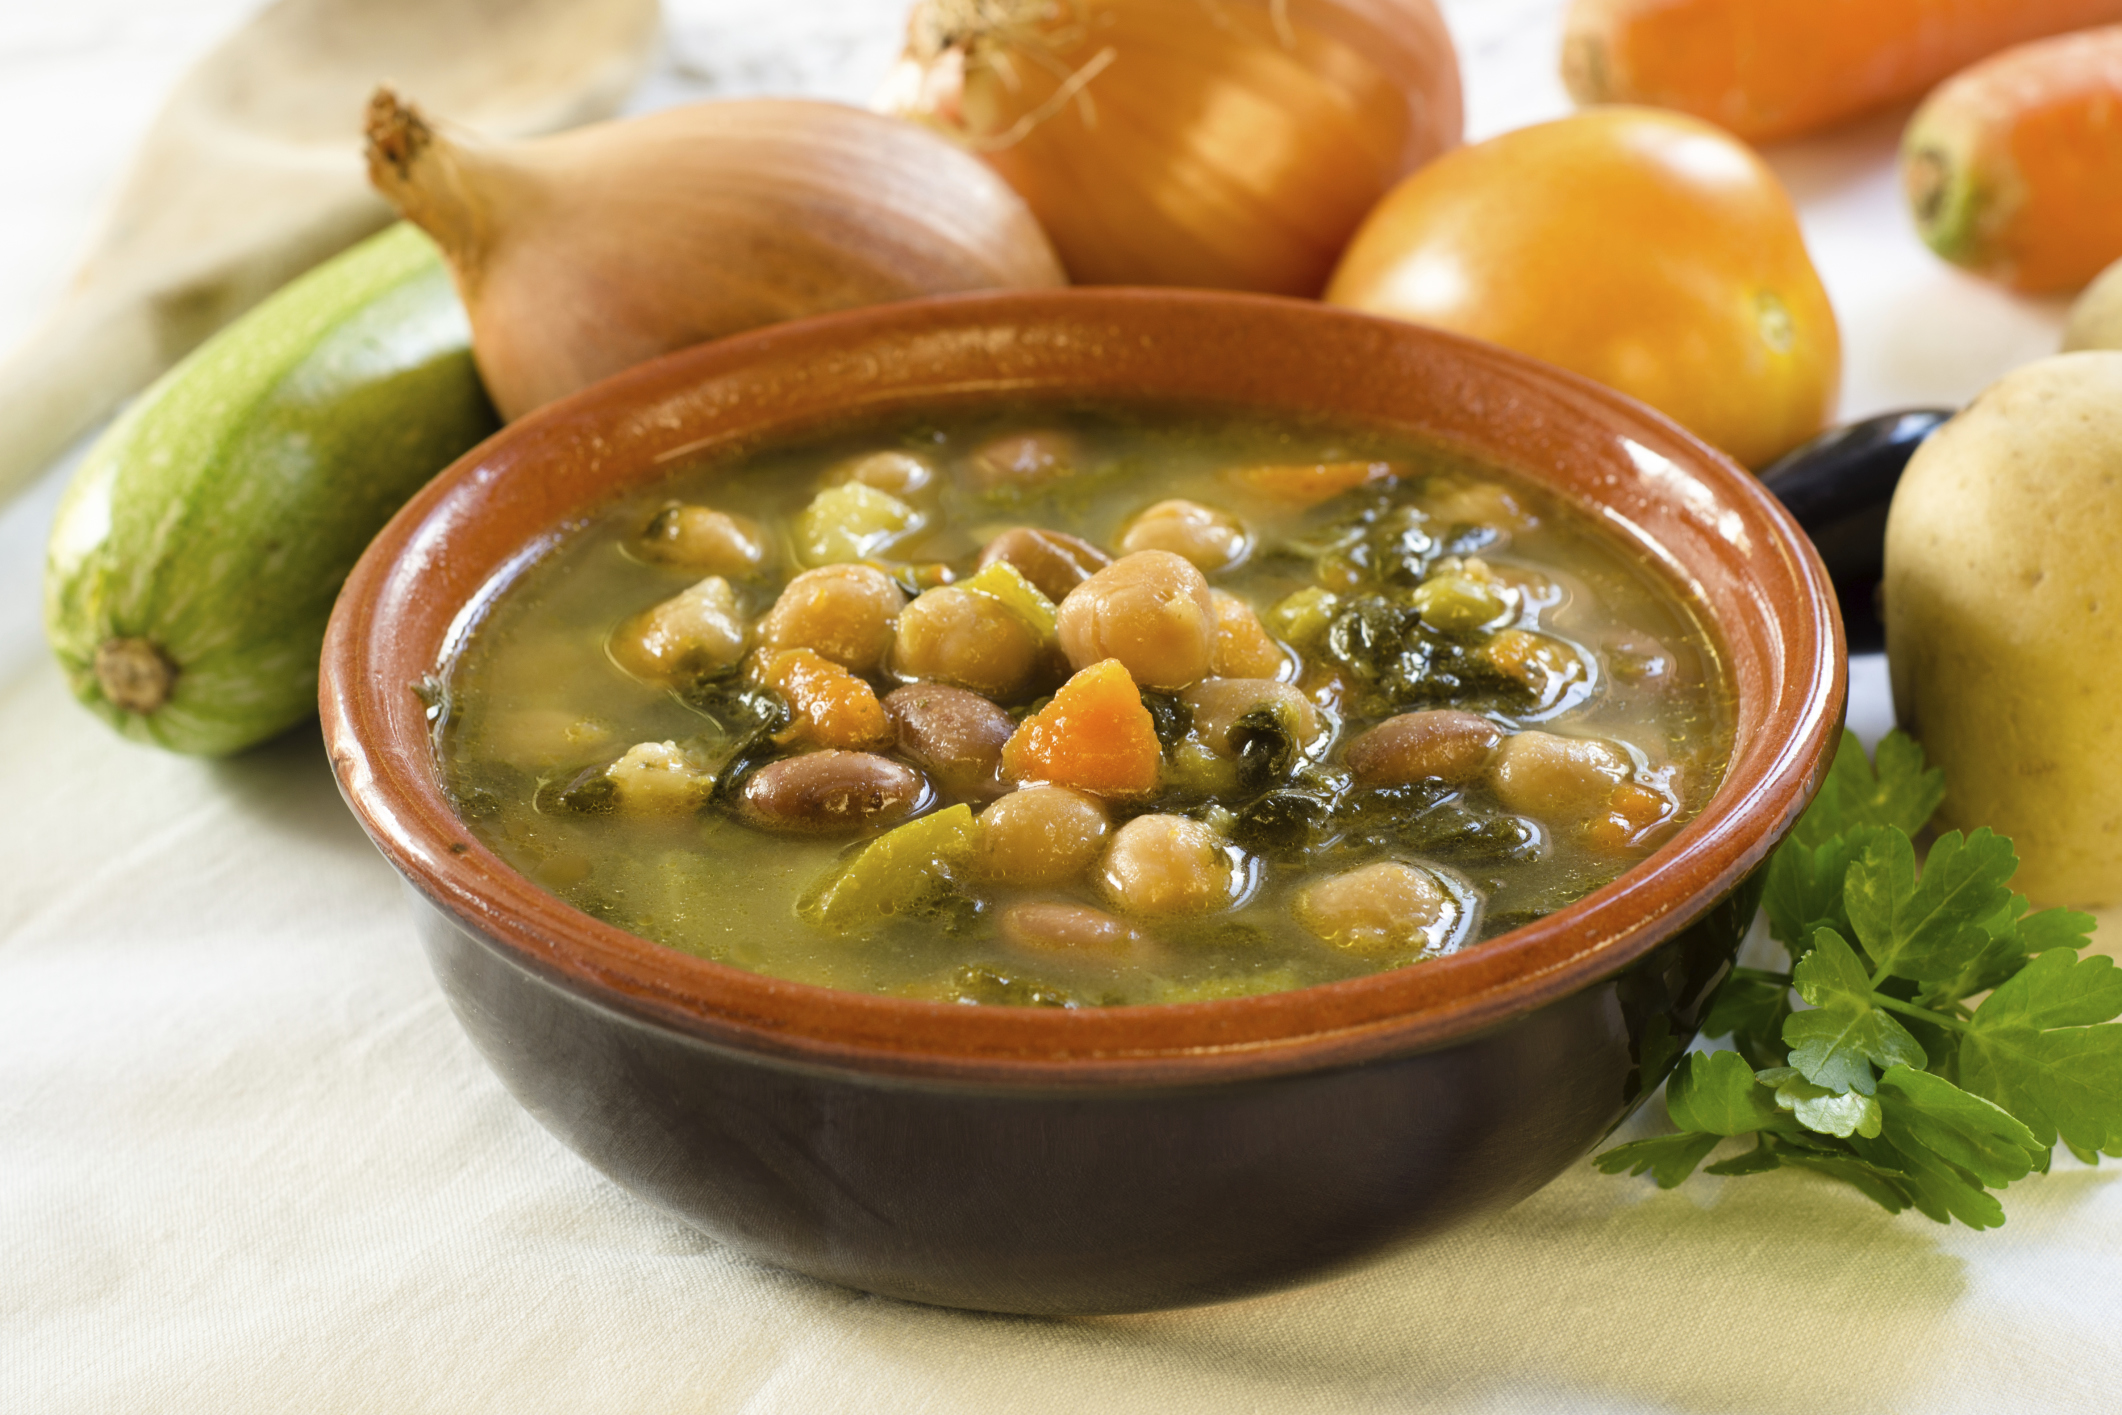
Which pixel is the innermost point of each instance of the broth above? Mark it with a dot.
(1558, 708)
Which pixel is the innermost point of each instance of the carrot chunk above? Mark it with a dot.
(1095, 736)
(830, 706)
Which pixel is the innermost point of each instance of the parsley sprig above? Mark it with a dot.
(1899, 1076)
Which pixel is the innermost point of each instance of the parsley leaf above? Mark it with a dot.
(1750, 1008)
(1927, 929)
(1899, 793)
(1762, 1158)
(2053, 928)
(1668, 1159)
(1803, 893)
(1965, 1129)
(1888, 1082)
(1818, 1109)
(1837, 1044)
(1937, 1188)
(1710, 1095)
(2034, 1048)
(1716, 1092)
(1884, 1185)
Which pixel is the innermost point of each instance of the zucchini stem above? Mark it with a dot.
(135, 674)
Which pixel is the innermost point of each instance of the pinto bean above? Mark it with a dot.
(1042, 835)
(1556, 779)
(954, 734)
(831, 791)
(1054, 561)
(1073, 930)
(900, 473)
(842, 612)
(1440, 744)
(1152, 611)
(1021, 462)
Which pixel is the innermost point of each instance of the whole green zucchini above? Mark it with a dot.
(198, 551)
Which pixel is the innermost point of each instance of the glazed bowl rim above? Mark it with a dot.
(382, 755)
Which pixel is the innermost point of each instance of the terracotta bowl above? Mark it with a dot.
(1034, 1160)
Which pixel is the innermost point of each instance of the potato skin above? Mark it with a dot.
(2004, 620)
(2096, 316)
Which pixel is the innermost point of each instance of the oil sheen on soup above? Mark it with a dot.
(1080, 707)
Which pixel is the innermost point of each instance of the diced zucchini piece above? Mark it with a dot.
(850, 522)
(1465, 604)
(1003, 581)
(897, 873)
(1302, 617)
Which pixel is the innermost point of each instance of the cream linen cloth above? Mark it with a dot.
(249, 1163)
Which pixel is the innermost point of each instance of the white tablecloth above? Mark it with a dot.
(248, 1162)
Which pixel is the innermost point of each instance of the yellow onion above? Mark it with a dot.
(588, 252)
(1228, 143)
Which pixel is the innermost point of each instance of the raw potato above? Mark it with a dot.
(2004, 620)
(2096, 316)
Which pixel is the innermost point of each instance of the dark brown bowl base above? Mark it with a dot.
(1092, 1200)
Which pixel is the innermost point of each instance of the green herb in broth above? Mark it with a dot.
(1384, 581)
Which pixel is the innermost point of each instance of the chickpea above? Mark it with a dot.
(1639, 660)
(1455, 501)
(1441, 744)
(1151, 610)
(1073, 930)
(699, 538)
(1385, 908)
(1021, 462)
(1042, 835)
(1054, 561)
(956, 736)
(1556, 779)
(899, 473)
(842, 612)
(1243, 647)
(1164, 865)
(660, 777)
(953, 635)
(831, 791)
(693, 632)
(1218, 703)
(1211, 540)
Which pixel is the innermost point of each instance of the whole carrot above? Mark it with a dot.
(1769, 69)
(2014, 168)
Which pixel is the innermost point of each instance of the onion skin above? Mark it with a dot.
(1233, 144)
(585, 253)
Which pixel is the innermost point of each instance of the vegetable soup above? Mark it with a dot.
(1081, 706)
